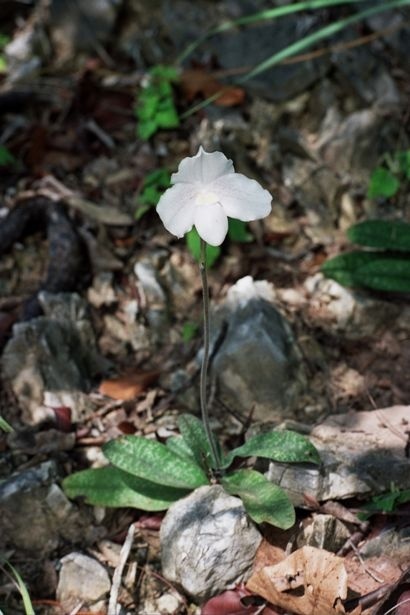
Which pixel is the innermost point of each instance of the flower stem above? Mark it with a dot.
(216, 462)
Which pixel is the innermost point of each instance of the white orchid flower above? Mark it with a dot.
(206, 192)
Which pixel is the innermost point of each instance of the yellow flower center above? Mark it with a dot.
(206, 198)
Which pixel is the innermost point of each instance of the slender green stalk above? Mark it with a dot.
(216, 461)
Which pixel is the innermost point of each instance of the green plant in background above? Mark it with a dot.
(150, 475)
(5, 426)
(383, 265)
(155, 108)
(386, 180)
(6, 157)
(385, 502)
(152, 187)
(237, 231)
(189, 331)
(4, 40)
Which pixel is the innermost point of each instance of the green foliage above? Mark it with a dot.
(189, 331)
(193, 433)
(5, 426)
(149, 475)
(16, 578)
(155, 108)
(112, 487)
(391, 235)
(153, 461)
(4, 40)
(382, 184)
(386, 180)
(6, 157)
(264, 502)
(153, 186)
(385, 267)
(282, 446)
(237, 231)
(385, 503)
(193, 242)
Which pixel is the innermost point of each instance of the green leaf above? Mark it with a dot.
(146, 129)
(386, 272)
(114, 488)
(384, 234)
(264, 501)
(382, 184)
(194, 246)
(153, 186)
(403, 159)
(5, 426)
(25, 596)
(238, 231)
(153, 461)
(169, 73)
(167, 119)
(283, 446)
(6, 157)
(189, 331)
(386, 502)
(177, 445)
(194, 434)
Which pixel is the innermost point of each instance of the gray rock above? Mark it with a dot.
(353, 313)
(207, 543)
(257, 366)
(52, 360)
(393, 543)
(36, 516)
(81, 26)
(366, 74)
(324, 532)
(362, 453)
(82, 580)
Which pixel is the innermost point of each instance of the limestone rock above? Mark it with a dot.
(325, 532)
(207, 543)
(82, 580)
(258, 365)
(35, 514)
(354, 313)
(362, 453)
(52, 360)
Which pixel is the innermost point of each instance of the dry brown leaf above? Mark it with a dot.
(319, 575)
(129, 386)
(197, 82)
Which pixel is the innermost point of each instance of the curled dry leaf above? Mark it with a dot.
(309, 582)
(197, 82)
(128, 386)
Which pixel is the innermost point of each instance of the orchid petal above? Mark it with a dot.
(203, 168)
(211, 223)
(242, 198)
(176, 208)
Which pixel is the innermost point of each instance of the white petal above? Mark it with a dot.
(176, 208)
(211, 223)
(203, 168)
(242, 198)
